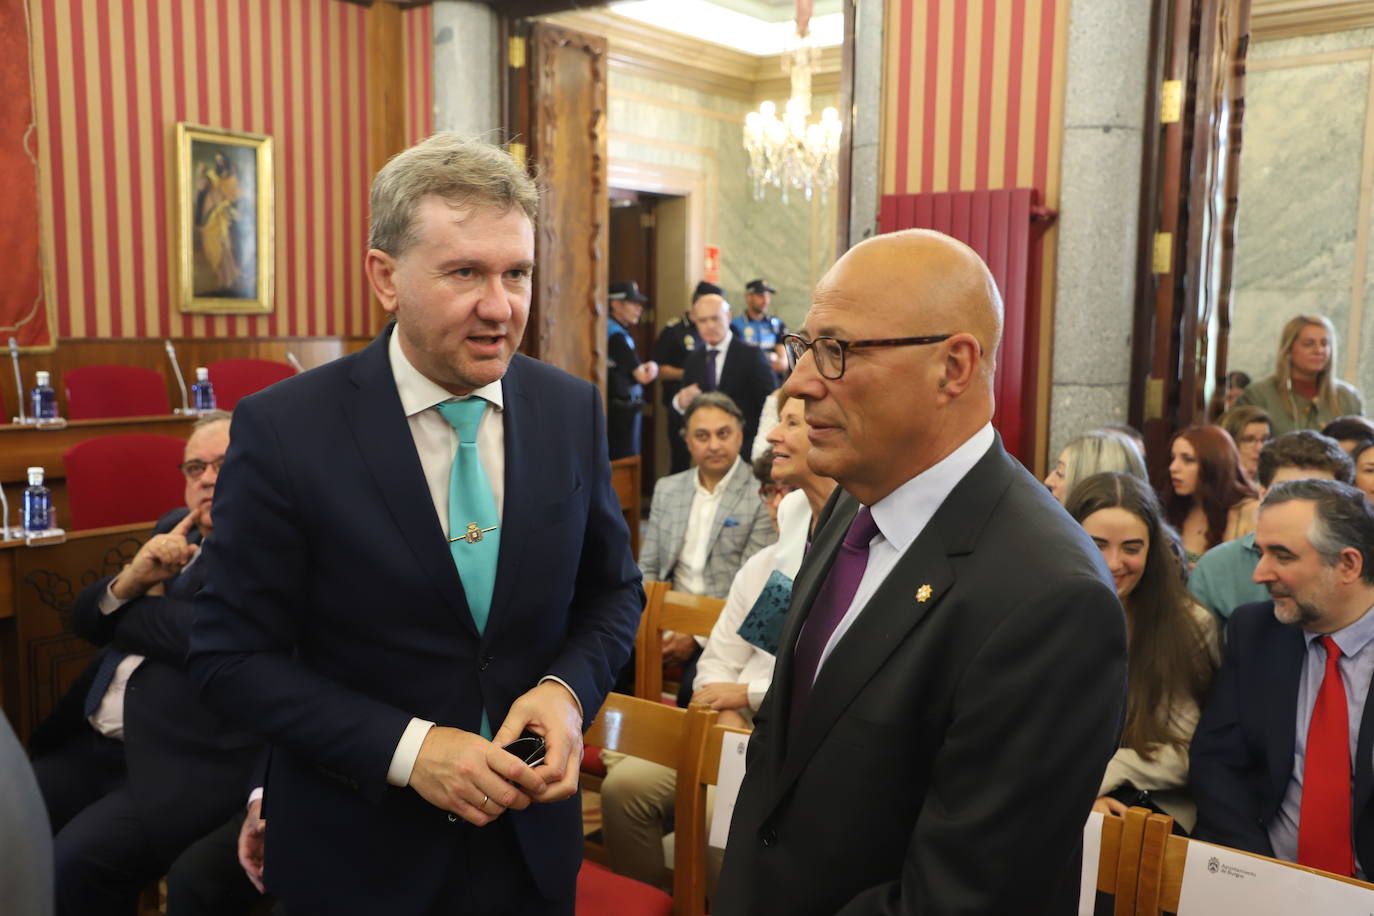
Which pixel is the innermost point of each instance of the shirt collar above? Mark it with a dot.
(418, 392)
(724, 344)
(1351, 639)
(720, 487)
(1247, 542)
(903, 513)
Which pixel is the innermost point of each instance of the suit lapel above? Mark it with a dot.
(1285, 655)
(679, 514)
(728, 500)
(383, 437)
(521, 427)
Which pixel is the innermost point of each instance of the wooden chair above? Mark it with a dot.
(1164, 856)
(1118, 864)
(689, 815)
(665, 735)
(95, 392)
(625, 478)
(665, 609)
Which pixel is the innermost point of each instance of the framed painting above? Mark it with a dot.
(223, 220)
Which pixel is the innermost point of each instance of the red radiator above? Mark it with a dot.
(1005, 227)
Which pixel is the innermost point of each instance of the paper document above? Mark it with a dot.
(1092, 852)
(727, 786)
(1220, 880)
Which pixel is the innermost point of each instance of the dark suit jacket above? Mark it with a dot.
(952, 747)
(747, 378)
(334, 614)
(188, 767)
(1242, 752)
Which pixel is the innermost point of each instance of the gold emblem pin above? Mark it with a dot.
(473, 534)
(923, 594)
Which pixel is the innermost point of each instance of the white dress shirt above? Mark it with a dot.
(688, 573)
(436, 442)
(902, 515)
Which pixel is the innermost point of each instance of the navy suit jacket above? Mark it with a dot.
(188, 767)
(1241, 757)
(957, 734)
(334, 614)
(747, 378)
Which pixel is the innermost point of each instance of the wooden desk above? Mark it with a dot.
(39, 654)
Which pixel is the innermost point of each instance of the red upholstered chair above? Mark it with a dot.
(114, 391)
(235, 379)
(119, 480)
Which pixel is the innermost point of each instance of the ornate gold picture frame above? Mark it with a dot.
(224, 220)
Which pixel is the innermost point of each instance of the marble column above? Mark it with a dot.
(467, 60)
(1099, 207)
(864, 162)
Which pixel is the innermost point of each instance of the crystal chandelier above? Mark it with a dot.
(793, 152)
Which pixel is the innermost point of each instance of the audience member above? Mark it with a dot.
(1303, 392)
(1092, 453)
(759, 329)
(1130, 432)
(1236, 383)
(962, 590)
(1363, 458)
(725, 363)
(770, 491)
(1349, 430)
(626, 376)
(423, 558)
(1271, 758)
(1208, 500)
(1223, 578)
(733, 673)
(132, 766)
(1172, 643)
(1248, 428)
(675, 343)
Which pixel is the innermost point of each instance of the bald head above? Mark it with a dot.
(711, 315)
(898, 408)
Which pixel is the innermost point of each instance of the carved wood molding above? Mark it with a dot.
(1270, 19)
(645, 50)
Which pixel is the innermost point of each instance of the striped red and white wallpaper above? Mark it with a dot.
(418, 27)
(111, 80)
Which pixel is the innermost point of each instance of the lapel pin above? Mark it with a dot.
(923, 594)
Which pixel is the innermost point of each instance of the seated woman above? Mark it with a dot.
(1249, 429)
(1208, 501)
(1363, 456)
(1092, 453)
(1173, 647)
(1303, 392)
(733, 673)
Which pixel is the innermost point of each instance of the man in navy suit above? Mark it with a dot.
(133, 768)
(1271, 760)
(359, 616)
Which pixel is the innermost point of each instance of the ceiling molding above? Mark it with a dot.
(1271, 19)
(645, 50)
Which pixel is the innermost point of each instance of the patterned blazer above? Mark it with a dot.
(739, 530)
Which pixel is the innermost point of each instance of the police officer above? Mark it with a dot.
(626, 376)
(677, 339)
(759, 329)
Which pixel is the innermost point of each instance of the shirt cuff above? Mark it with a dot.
(255, 795)
(576, 699)
(407, 751)
(108, 603)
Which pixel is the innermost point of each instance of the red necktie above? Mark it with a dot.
(1324, 825)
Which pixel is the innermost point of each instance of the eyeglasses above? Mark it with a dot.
(195, 468)
(829, 351)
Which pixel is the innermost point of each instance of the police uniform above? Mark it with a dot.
(675, 342)
(766, 332)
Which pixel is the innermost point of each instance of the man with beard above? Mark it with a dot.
(1271, 758)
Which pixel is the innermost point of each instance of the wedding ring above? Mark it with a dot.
(483, 805)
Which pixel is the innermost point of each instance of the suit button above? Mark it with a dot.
(768, 837)
(486, 660)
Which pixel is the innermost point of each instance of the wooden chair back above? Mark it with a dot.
(689, 814)
(665, 609)
(1164, 857)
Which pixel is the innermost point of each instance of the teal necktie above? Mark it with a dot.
(473, 522)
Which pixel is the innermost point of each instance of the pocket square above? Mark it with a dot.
(731, 522)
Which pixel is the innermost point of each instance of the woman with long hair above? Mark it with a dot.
(1303, 392)
(1091, 453)
(1249, 428)
(1208, 499)
(1172, 642)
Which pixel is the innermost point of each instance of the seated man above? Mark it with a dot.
(1223, 578)
(706, 521)
(132, 767)
(1271, 757)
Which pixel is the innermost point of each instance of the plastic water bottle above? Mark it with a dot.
(202, 392)
(37, 502)
(43, 398)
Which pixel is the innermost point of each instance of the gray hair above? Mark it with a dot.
(460, 171)
(210, 418)
(717, 399)
(1098, 451)
(1343, 519)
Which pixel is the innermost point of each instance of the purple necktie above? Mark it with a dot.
(711, 380)
(833, 599)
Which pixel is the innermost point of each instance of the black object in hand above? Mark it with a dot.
(529, 747)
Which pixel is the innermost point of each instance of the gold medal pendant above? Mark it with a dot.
(473, 534)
